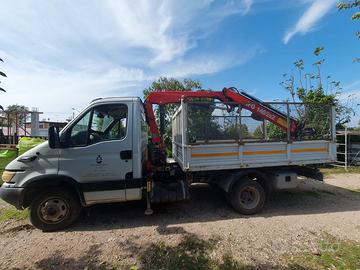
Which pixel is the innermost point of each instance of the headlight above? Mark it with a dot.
(7, 176)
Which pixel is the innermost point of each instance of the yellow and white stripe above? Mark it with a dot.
(248, 153)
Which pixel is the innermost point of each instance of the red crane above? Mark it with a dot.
(257, 107)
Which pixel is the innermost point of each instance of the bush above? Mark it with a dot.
(26, 143)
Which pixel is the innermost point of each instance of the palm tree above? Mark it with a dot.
(2, 89)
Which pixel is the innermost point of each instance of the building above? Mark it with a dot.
(44, 126)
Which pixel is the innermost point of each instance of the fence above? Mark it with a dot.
(228, 122)
(348, 148)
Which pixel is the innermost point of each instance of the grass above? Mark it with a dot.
(194, 253)
(332, 253)
(12, 213)
(3, 163)
(356, 191)
(23, 149)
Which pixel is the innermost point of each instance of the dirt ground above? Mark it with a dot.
(120, 234)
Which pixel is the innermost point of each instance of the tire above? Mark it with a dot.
(247, 197)
(54, 209)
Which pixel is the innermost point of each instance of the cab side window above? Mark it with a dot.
(102, 123)
(109, 122)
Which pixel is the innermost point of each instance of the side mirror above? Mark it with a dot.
(53, 137)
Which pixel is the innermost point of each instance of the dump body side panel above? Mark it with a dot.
(254, 155)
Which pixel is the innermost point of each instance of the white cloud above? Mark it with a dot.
(205, 64)
(60, 55)
(170, 28)
(306, 23)
(55, 90)
(247, 6)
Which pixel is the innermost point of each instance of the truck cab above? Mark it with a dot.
(98, 157)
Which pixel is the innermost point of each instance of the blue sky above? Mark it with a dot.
(60, 55)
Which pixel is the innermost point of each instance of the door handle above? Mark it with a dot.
(127, 154)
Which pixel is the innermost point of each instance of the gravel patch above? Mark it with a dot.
(117, 234)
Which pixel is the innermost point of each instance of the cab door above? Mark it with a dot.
(98, 152)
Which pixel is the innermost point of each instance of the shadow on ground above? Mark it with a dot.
(89, 261)
(191, 253)
(208, 204)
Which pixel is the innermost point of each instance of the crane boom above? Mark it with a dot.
(257, 107)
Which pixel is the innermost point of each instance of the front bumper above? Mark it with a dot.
(12, 195)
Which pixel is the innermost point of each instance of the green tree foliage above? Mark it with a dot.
(170, 84)
(311, 89)
(258, 133)
(212, 121)
(16, 112)
(201, 124)
(354, 4)
(232, 132)
(273, 132)
(350, 5)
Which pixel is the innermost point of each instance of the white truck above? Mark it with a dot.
(106, 155)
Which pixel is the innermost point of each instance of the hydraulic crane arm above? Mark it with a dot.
(258, 108)
(173, 97)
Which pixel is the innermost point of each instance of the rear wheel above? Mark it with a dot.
(54, 209)
(247, 197)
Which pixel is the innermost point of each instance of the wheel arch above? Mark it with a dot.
(229, 180)
(46, 181)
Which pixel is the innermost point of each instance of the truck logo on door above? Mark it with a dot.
(99, 159)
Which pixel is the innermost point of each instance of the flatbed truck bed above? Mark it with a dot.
(232, 153)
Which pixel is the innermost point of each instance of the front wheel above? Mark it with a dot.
(247, 197)
(54, 209)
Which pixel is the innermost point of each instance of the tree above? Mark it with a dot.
(201, 125)
(314, 115)
(232, 132)
(163, 113)
(354, 4)
(2, 74)
(17, 114)
(273, 132)
(318, 63)
(258, 133)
